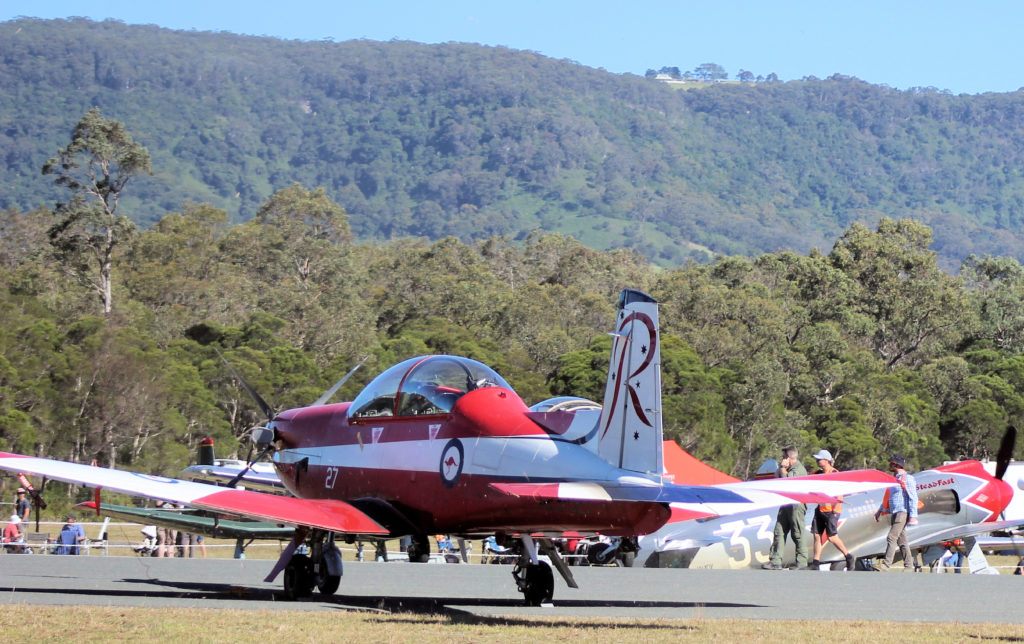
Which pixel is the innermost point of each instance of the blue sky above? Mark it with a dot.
(964, 47)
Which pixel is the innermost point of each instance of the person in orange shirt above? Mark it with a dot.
(825, 524)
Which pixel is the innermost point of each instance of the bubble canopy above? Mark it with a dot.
(425, 385)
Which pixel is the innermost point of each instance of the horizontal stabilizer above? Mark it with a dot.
(920, 535)
(616, 491)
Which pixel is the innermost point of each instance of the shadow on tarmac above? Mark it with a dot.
(456, 609)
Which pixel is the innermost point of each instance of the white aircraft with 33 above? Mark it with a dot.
(956, 501)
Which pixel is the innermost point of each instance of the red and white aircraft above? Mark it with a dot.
(956, 501)
(442, 445)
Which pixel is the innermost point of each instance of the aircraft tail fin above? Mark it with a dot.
(630, 429)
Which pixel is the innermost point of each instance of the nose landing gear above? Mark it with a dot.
(535, 581)
(534, 577)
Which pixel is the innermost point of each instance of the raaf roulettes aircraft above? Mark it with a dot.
(443, 445)
(955, 501)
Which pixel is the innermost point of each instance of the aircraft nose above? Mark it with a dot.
(994, 497)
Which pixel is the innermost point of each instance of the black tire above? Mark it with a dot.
(601, 554)
(419, 549)
(327, 583)
(540, 584)
(298, 577)
(626, 559)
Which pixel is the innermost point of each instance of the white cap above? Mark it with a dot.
(15, 519)
(823, 455)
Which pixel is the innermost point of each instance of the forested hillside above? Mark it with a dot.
(472, 141)
(866, 350)
(314, 203)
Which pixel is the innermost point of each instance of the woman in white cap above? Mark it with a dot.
(825, 524)
(13, 534)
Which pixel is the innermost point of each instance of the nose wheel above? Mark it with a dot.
(534, 577)
(535, 581)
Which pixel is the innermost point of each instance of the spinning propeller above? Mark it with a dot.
(264, 436)
(1005, 453)
(1003, 458)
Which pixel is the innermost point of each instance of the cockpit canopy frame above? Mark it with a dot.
(425, 385)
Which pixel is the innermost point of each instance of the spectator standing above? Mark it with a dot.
(791, 518)
(900, 502)
(825, 523)
(165, 537)
(22, 506)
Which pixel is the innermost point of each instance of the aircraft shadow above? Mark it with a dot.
(185, 591)
(457, 609)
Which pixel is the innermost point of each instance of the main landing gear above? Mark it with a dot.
(534, 577)
(319, 568)
(418, 548)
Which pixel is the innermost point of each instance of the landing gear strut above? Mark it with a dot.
(321, 568)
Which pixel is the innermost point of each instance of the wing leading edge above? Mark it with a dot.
(183, 520)
(335, 516)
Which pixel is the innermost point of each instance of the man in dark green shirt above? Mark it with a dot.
(791, 518)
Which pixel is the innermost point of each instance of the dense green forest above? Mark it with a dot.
(868, 349)
(472, 142)
(110, 332)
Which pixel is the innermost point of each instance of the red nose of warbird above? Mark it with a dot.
(994, 497)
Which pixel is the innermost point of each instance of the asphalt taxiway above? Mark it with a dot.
(489, 590)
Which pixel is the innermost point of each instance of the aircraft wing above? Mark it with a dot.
(335, 516)
(920, 536)
(224, 474)
(194, 523)
(818, 488)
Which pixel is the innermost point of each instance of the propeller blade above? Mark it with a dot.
(333, 390)
(1005, 454)
(267, 410)
(248, 466)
